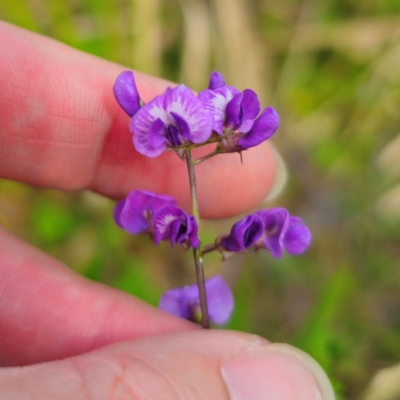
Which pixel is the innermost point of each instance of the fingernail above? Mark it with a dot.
(276, 372)
(281, 176)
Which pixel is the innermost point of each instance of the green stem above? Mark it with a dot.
(196, 252)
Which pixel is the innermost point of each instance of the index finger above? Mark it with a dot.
(62, 128)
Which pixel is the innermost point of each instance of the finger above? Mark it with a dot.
(61, 127)
(48, 312)
(192, 365)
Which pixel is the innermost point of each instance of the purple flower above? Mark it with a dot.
(185, 301)
(235, 115)
(278, 231)
(173, 224)
(158, 216)
(170, 120)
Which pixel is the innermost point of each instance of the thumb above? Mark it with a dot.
(189, 365)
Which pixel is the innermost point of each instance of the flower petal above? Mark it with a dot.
(276, 222)
(264, 127)
(219, 299)
(147, 131)
(126, 93)
(174, 137)
(163, 220)
(117, 212)
(215, 102)
(193, 234)
(246, 125)
(176, 302)
(182, 125)
(136, 212)
(182, 102)
(234, 111)
(244, 233)
(216, 80)
(173, 224)
(250, 104)
(297, 237)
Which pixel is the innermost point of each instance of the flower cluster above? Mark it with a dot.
(157, 216)
(272, 229)
(178, 119)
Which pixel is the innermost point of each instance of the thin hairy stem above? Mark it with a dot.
(196, 251)
(208, 248)
(206, 157)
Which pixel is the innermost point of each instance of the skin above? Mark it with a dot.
(61, 128)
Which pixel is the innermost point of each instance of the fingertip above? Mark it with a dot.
(278, 372)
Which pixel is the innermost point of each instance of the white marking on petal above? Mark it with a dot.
(184, 103)
(165, 221)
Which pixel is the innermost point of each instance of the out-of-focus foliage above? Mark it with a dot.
(331, 69)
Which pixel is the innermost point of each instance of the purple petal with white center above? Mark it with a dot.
(144, 121)
(136, 212)
(126, 93)
(297, 237)
(183, 301)
(182, 102)
(163, 220)
(276, 222)
(234, 111)
(263, 128)
(173, 224)
(244, 233)
(215, 101)
(216, 80)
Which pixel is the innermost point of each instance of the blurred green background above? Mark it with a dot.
(332, 70)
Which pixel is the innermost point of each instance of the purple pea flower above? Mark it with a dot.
(173, 224)
(184, 302)
(158, 216)
(279, 231)
(169, 120)
(236, 113)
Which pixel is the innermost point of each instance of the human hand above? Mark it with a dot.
(61, 128)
